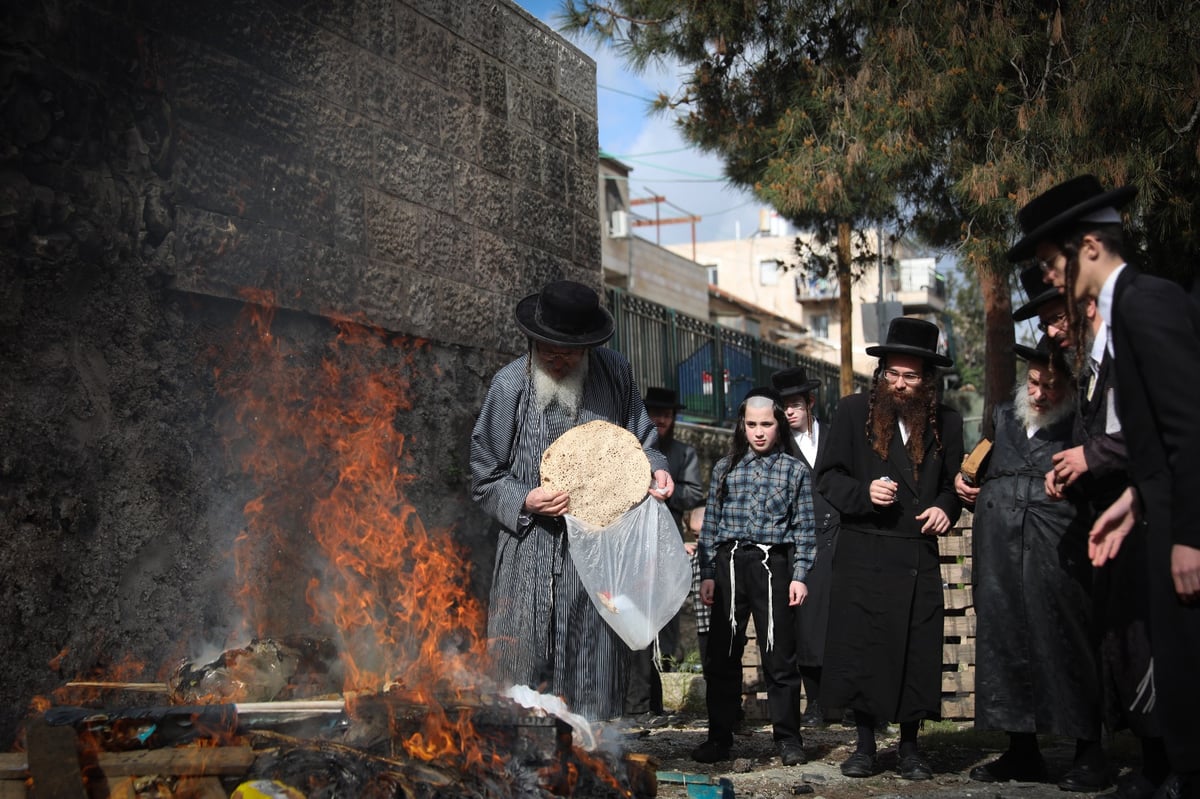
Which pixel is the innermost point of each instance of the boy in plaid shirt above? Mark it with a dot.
(756, 547)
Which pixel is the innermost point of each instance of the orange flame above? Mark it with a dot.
(320, 440)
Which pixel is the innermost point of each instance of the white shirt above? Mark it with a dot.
(1104, 303)
(808, 442)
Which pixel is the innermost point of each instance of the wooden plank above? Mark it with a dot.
(200, 788)
(958, 682)
(956, 573)
(124, 788)
(959, 626)
(958, 598)
(958, 707)
(12, 789)
(13, 766)
(955, 546)
(54, 761)
(959, 653)
(195, 761)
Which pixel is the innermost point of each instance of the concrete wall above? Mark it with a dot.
(415, 165)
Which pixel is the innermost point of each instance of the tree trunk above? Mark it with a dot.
(999, 371)
(845, 308)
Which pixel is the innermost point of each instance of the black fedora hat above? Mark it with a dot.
(565, 313)
(909, 336)
(662, 398)
(1038, 292)
(793, 380)
(1044, 352)
(1060, 206)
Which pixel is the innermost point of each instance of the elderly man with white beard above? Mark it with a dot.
(543, 630)
(1036, 669)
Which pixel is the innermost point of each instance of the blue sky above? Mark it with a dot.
(663, 164)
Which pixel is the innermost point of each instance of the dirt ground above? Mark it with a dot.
(952, 748)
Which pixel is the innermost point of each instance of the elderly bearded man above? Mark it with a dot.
(543, 630)
(1036, 666)
(889, 471)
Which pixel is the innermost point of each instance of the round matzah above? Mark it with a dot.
(602, 467)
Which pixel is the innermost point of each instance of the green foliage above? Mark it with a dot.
(939, 117)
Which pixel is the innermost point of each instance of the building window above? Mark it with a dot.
(818, 325)
(712, 270)
(768, 272)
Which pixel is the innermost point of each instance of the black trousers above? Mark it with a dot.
(757, 586)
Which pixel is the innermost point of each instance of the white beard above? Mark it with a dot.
(567, 393)
(1031, 418)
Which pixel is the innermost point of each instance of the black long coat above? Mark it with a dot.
(1035, 659)
(812, 618)
(883, 648)
(1156, 345)
(1121, 605)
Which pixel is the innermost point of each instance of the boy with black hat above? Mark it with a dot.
(644, 699)
(543, 630)
(798, 393)
(1074, 231)
(890, 470)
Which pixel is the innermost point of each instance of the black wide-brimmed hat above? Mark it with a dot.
(1062, 205)
(1046, 349)
(793, 380)
(565, 313)
(909, 336)
(1038, 292)
(662, 398)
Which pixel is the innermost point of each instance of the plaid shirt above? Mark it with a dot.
(768, 500)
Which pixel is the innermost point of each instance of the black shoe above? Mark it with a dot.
(1172, 788)
(915, 767)
(710, 752)
(1133, 786)
(859, 764)
(1011, 767)
(791, 752)
(650, 720)
(1085, 779)
(813, 716)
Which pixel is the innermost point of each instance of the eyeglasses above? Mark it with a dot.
(566, 355)
(895, 376)
(1059, 321)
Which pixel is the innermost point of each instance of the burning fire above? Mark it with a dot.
(321, 442)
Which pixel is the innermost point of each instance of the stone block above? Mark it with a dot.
(395, 228)
(464, 77)
(402, 100)
(411, 169)
(552, 119)
(462, 134)
(683, 692)
(369, 24)
(498, 262)
(484, 199)
(493, 89)
(447, 248)
(587, 239)
(495, 147)
(543, 223)
(577, 79)
(424, 45)
(528, 156)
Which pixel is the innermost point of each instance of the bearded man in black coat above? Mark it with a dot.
(889, 471)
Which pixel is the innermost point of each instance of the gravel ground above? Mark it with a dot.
(952, 749)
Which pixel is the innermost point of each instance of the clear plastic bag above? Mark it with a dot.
(635, 570)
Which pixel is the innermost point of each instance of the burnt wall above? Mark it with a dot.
(414, 166)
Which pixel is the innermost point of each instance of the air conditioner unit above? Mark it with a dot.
(618, 224)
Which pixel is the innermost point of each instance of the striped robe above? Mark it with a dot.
(543, 630)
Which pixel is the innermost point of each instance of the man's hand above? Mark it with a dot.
(1111, 527)
(690, 547)
(797, 593)
(664, 486)
(547, 503)
(1069, 466)
(1185, 571)
(1054, 489)
(936, 521)
(883, 492)
(707, 589)
(966, 493)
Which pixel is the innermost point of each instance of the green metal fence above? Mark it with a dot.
(711, 367)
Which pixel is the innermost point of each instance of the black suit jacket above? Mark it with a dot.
(850, 465)
(1156, 345)
(1106, 455)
